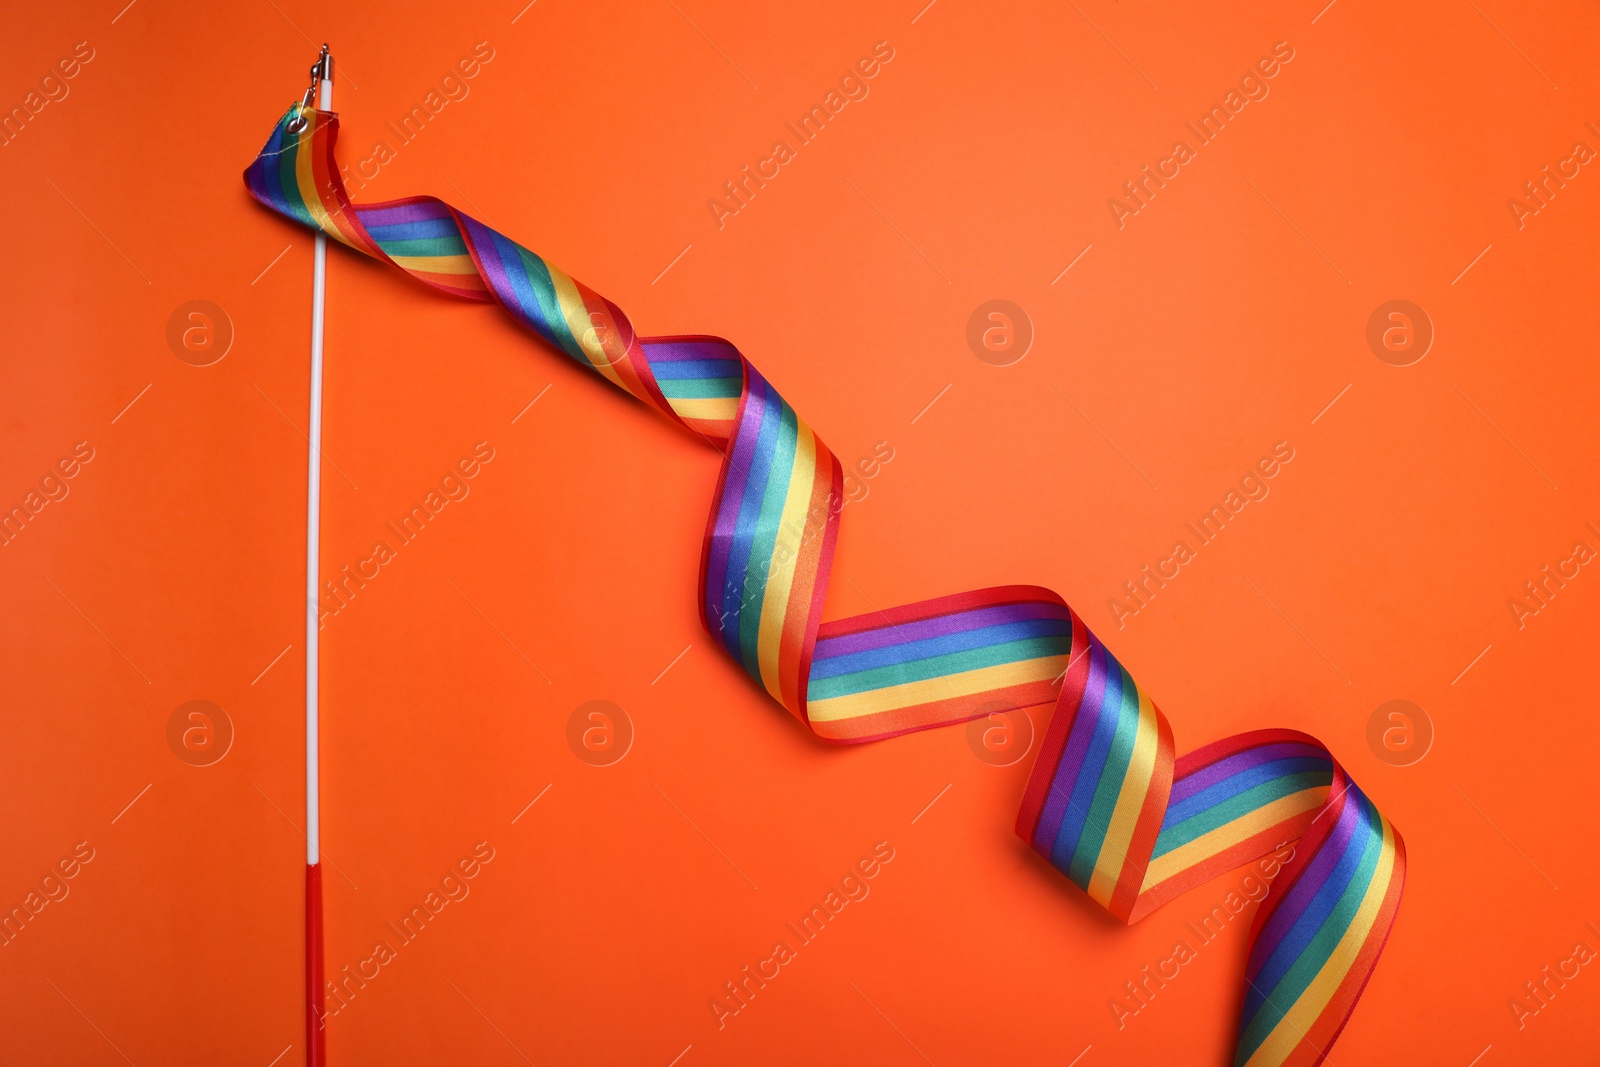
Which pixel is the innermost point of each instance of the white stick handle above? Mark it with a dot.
(319, 271)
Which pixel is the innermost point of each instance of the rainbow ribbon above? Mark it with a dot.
(1107, 803)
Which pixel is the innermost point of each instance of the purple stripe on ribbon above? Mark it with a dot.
(1077, 747)
(689, 351)
(427, 211)
(1212, 773)
(938, 626)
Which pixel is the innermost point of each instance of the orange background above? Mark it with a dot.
(1222, 318)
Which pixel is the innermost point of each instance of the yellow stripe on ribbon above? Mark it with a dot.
(910, 694)
(1130, 802)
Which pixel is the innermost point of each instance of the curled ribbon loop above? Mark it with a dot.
(1107, 803)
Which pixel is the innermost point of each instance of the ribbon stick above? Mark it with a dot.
(1107, 803)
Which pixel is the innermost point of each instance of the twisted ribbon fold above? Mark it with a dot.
(1107, 803)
